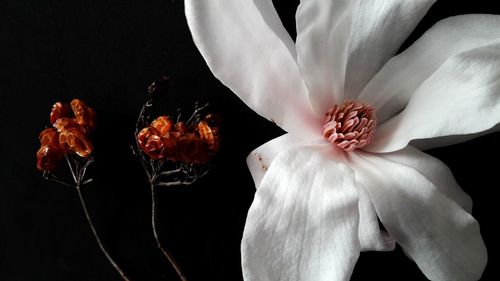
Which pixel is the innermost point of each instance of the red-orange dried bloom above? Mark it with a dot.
(154, 147)
(74, 139)
(191, 149)
(163, 124)
(59, 110)
(63, 124)
(144, 134)
(181, 127)
(50, 152)
(70, 133)
(84, 115)
(150, 142)
(47, 157)
(170, 145)
(209, 136)
(180, 142)
(49, 136)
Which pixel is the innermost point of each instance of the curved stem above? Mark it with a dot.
(101, 245)
(166, 253)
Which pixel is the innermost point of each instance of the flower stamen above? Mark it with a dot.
(350, 125)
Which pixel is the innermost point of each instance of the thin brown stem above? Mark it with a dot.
(78, 173)
(97, 238)
(165, 251)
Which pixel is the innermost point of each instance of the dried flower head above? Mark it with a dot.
(72, 125)
(179, 142)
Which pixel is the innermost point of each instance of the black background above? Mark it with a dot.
(106, 52)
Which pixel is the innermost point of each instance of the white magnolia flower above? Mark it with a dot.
(324, 184)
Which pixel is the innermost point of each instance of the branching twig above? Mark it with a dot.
(156, 233)
(182, 174)
(78, 175)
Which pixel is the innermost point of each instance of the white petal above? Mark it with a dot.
(247, 48)
(441, 237)
(391, 88)
(323, 34)
(379, 28)
(461, 97)
(371, 237)
(303, 222)
(260, 159)
(435, 171)
(341, 44)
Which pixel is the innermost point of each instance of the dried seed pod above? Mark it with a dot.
(209, 136)
(74, 139)
(163, 124)
(84, 115)
(47, 157)
(59, 110)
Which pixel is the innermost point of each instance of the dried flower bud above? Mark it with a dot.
(159, 87)
(74, 139)
(47, 157)
(59, 110)
(84, 115)
(163, 124)
(209, 136)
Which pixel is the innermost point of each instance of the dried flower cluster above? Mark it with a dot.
(181, 142)
(72, 125)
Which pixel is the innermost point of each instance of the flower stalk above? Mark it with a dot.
(78, 171)
(70, 137)
(173, 154)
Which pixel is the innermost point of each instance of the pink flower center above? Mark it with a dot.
(350, 125)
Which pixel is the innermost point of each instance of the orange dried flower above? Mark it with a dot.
(163, 124)
(209, 136)
(154, 147)
(170, 145)
(74, 139)
(150, 142)
(70, 133)
(84, 115)
(181, 127)
(59, 110)
(180, 142)
(47, 157)
(50, 152)
(49, 136)
(63, 124)
(191, 149)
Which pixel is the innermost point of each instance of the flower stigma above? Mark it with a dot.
(350, 125)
